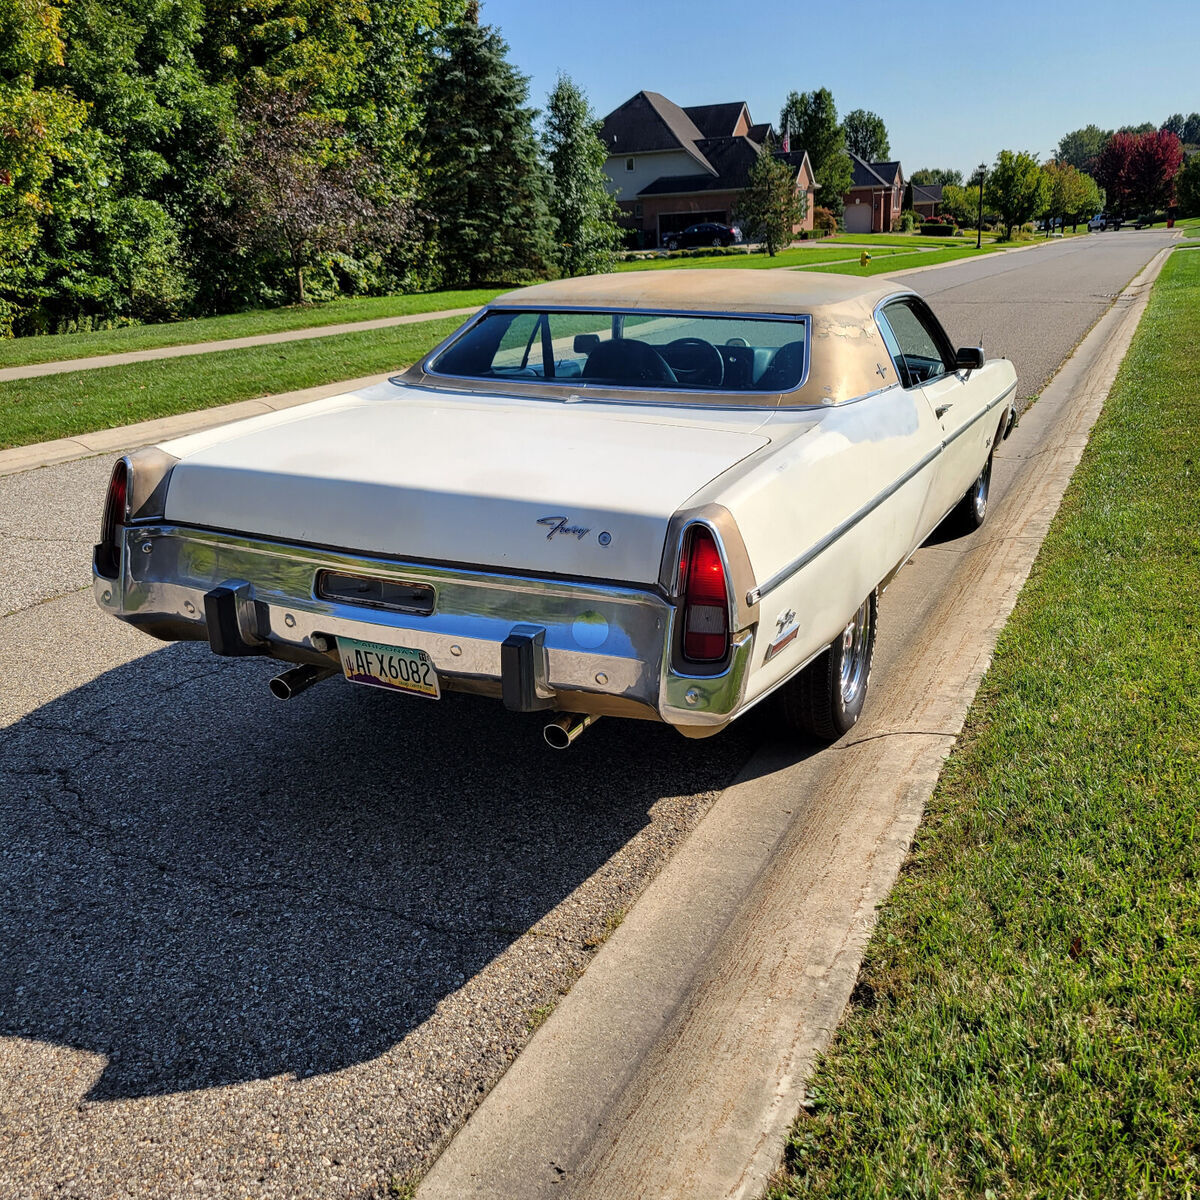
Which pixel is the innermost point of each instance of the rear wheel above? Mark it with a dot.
(971, 511)
(827, 697)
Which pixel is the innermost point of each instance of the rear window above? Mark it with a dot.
(660, 351)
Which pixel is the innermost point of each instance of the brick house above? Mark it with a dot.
(927, 200)
(875, 198)
(670, 167)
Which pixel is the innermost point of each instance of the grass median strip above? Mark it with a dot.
(1025, 1022)
(15, 352)
(793, 257)
(57, 406)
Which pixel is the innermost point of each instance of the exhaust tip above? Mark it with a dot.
(280, 689)
(564, 729)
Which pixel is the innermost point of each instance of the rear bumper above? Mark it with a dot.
(535, 643)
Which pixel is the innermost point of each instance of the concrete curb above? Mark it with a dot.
(66, 365)
(676, 1064)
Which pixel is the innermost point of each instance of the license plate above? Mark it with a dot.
(397, 668)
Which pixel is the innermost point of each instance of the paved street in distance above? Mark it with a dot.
(283, 949)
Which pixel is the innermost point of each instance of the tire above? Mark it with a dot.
(672, 245)
(826, 699)
(971, 511)
(717, 242)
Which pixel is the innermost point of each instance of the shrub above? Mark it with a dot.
(824, 222)
(908, 221)
(937, 229)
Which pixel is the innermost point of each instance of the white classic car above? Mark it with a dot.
(664, 495)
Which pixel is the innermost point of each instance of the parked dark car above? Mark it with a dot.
(707, 233)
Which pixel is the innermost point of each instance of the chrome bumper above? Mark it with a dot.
(593, 647)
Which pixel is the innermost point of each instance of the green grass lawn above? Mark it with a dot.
(54, 348)
(55, 406)
(817, 252)
(1027, 1019)
(925, 258)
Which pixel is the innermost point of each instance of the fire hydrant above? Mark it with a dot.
(863, 259)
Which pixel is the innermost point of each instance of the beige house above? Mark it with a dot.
(670, 167)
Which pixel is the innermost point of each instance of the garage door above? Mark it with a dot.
(858, 218)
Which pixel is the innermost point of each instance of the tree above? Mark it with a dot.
(588, 234)
(1191, 130)
(960, 203)
(1015, 188)
(1113, 169)
(1067, 193)
(1187, 188)
(1152, 169)
(484, 189)
(771, 206)
(866, 135)
(298, 193)
(1080, 147)
(811, 122)
(1174, 124)
(1138, 130)
(39, 128)
(934, 176)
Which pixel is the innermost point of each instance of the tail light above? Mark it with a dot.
(705, 595)
(108, 549)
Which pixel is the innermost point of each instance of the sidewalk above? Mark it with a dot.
(32, 370)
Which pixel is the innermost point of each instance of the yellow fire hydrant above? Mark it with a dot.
(863, 259)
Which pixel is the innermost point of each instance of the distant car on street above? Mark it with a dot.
(706, 233)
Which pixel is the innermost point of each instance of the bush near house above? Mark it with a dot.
(824, 221)
(937, 229)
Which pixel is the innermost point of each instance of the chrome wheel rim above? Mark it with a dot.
(856, 641)
(981, 490)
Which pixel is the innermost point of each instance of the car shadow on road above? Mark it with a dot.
(208, 886)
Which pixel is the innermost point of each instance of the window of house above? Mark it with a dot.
(629, 164)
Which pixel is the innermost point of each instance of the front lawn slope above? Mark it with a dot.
(1027, 1019)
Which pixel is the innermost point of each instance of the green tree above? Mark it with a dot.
(937, 175)
(588, 234)
(1175, 124)
(811, 121)
(771, 206)
(39, 128)
(484, 189)
(1066, 191)
(961, 203)
(1081, 147)
(1191, 130)
(1187, 188)
(866, 135)
(1015, 188)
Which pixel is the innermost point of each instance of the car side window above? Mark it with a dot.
(918, 347)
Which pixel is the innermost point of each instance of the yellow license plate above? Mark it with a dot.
(397, 668)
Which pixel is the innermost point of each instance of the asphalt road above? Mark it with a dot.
(255, 949)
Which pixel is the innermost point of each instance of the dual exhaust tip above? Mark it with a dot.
(559, 733)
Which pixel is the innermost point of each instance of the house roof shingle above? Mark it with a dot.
(717, 120)
(648, 122)
(865, 174)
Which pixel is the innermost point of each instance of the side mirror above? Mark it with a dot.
(968, 358)
(585, 343)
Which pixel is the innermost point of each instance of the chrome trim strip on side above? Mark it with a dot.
(756, 594)
(579, 385)
(1008, 391)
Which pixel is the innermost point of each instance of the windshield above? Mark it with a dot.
(655, 350)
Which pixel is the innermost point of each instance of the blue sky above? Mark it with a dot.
(990, 77)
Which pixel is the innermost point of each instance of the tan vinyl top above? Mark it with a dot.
(847, 355)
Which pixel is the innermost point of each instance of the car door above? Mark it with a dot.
(924, 360)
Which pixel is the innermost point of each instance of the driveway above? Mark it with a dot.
(269, 949)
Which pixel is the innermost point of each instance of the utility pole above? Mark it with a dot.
(979, 223)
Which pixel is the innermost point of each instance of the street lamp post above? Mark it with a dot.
(979, 224)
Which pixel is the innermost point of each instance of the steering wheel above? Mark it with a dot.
(695, 362)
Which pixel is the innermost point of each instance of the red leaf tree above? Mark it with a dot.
(1138, 170)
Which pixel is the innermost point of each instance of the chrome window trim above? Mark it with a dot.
(804, 319)
(877, 313)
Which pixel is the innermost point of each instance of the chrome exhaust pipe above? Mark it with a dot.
(298, 679)
(564, 729)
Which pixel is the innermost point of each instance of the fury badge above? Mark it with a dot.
(559, 525)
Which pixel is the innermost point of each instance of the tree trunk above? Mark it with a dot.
(299, 284)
